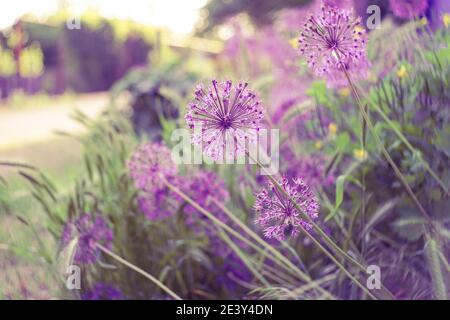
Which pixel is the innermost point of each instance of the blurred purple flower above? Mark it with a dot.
(287, 92)
(310, 168)
(292, 18)
(408, 9)
(159, 204)
(226, 117)
(204, 186)
(332, 41)
(102, 291)
(89, 231)
(279, 214)
(149, 163)
(358, 69)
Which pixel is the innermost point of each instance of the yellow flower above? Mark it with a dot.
(402, 72)
(360, 154)
(332, 129)
(318, 144)
(294, 43)
(344, 92)
(446, 19)
(423, 22)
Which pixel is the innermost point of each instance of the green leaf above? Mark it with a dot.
(342, 141)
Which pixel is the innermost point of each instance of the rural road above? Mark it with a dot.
(31, 125)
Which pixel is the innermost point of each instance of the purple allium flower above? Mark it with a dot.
(310, 168)
(224, 118)
(149, 163)
(292, 18)
(279, 214)
(89, 231)
(333, 40)
(160, 204)
(102, 291)
(408, 9)
(204, 186)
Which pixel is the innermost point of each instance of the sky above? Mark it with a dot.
(178, 15)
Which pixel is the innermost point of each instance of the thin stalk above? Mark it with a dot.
(437, 278)
(386, 153)
(323, 249)
(253, 234)
(248, 264)
(317, 243)
(315, 226)
(140, 271)
(411, 148)
(287, 265)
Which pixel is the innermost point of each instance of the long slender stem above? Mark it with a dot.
(402, 137)
(287, 264)
(253, 234)
(432, 250)
(140, 271)
(324, 235)
(386, 154)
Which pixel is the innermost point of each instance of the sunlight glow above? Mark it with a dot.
(179, 16)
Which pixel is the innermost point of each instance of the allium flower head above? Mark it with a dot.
(311, 169)
(149, 163)
(102, 291)
(224, 118)
(159, 204)
(332, 41)
(89, 231)
(278, 213)
(408, 9)
(203, 187)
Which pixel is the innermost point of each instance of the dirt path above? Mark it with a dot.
(30, 125)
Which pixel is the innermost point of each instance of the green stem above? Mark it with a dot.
(322, 233)
(401, 136)
(254, 235)
(386, 153)
(140, 271)
(287, 264)
(437, 278)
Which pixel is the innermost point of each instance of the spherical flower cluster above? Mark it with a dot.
(224, 118)
(149, 166)
(88, 230)
(102, 291)
(279, 214)
(203, 187)
(310, 168)
(333, 41)
(408, 9)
